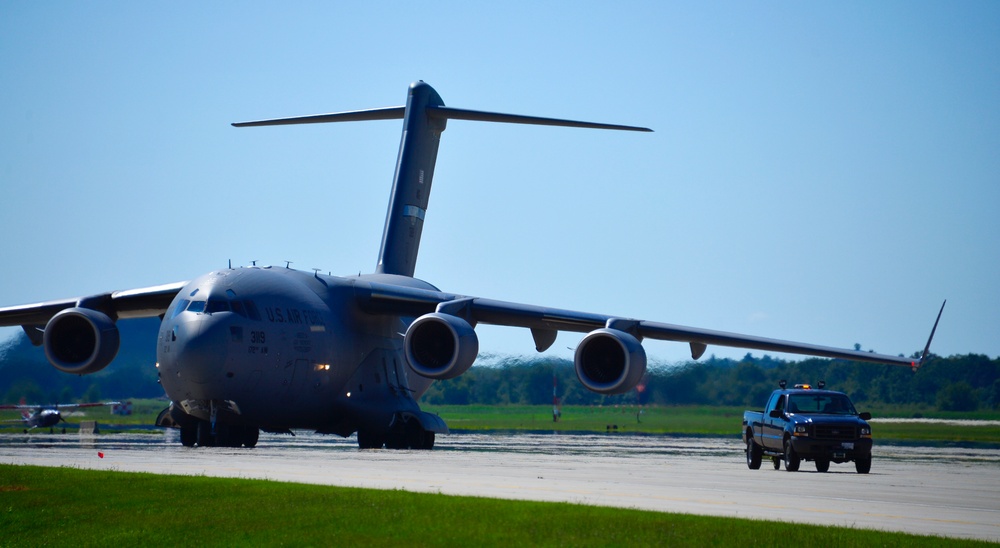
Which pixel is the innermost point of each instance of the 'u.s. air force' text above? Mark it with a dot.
(302, 316)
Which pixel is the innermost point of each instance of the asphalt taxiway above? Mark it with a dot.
(951, 492)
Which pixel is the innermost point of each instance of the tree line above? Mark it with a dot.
(958, 383)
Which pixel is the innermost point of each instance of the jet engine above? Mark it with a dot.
(440, 346)
(609, 361)
(80, 341)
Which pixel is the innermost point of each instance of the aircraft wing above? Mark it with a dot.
(544, 323)
(132, 303)
(58, 405)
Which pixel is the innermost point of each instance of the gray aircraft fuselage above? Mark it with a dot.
(290, 349)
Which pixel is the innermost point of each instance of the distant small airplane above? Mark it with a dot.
(241, 350)
(46, 416)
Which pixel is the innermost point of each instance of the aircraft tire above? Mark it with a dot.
(411, 436)
(205, 437)
(414, 436)
(369, 440)
(776, 462)
(250, 436)
(230, 435)
(397, 441)
(189, 435)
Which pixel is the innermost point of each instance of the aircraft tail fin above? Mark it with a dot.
(424, 118)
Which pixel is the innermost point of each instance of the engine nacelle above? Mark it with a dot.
(80, 341)
(440, 346)
(609, 361)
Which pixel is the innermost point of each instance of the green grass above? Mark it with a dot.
(682, 420)
(69, 507)
(697, 420)
(679, 420)
(922, 432)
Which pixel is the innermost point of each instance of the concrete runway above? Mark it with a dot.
(932, 491)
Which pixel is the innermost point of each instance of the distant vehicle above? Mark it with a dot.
(242, 350)
(803, 423)
(46, 416)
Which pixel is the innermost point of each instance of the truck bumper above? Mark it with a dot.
(835, 450)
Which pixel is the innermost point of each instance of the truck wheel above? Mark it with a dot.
(754, 455)
(791, 457)
(863, 464)
(776, 462)
(822, 465)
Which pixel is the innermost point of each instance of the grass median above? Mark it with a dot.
(70, 507)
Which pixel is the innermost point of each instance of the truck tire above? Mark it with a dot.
(791, 457)
(754, 454)
(863, 464)
(822, 465)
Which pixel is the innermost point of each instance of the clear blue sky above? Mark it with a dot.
(820, 172)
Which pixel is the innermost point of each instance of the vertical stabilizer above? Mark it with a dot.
(424, 118)
(411, 185)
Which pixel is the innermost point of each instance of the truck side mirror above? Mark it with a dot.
(775, 414)
(866, 416)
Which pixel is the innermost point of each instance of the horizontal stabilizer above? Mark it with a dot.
(386, 113)
(481, 116)
(440, 112)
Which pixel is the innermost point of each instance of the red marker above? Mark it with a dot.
(99, 454)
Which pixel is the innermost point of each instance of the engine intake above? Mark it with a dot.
(440, 346)
(609, 361)
(80, 341)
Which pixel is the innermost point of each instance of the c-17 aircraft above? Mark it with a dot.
(46, 416)
(241, 350)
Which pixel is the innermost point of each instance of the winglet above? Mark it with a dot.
(927, 349)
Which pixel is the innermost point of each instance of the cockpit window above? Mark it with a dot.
(252, 310)
(217, 305)
(181, 307)
(245, 308)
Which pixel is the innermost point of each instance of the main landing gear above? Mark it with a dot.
(405, 433)
(201, 433)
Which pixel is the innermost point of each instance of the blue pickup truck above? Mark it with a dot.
(804, 423)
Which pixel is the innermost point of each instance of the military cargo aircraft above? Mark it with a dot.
(241, 350)
(46, 416)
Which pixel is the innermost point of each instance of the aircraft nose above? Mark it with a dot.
(201, 349)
